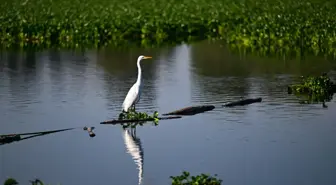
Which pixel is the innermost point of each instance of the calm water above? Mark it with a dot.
(277, 141)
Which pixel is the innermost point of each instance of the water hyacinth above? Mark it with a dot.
(258, 23)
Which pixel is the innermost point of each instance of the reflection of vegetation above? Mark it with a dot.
(282, 23)
(314, 89)
(216, 59)
(186, 179)
(10, 181)
(314, 98)
(280, 52)
(140, 116)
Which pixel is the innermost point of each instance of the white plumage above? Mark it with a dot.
(133, 95)
(134, 148)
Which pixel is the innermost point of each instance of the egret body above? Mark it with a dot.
(133, 95)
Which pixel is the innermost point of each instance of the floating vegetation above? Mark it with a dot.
(314, 89)
(117, 121)
(261, 23)
(203, 179)
(140, 117)
(314, 85)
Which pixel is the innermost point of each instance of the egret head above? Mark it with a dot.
(141, 57)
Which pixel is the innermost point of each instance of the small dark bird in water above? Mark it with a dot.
(324, 105)
(89, 129)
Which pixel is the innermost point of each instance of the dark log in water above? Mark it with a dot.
(9, 138)
(243, 102)
(32, 133)
(114, 121)
(191, 110)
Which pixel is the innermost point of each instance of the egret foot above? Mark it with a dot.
(133, 107)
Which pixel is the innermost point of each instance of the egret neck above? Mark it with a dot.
(139, 72)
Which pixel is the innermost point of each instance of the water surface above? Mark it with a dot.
(277, 141)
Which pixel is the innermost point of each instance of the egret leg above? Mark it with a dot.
(134, 132)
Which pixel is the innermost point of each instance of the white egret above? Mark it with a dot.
(133, 95)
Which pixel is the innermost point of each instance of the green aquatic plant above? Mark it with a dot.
(314, 85)
(140, 117)
(261, 23)
(314, 89)
(203, 179)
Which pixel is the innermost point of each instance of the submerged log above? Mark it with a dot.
(33, 133)
(115, 121)
(191, 110)
(243, 102)
(9, 138)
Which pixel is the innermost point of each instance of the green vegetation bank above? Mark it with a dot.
(259, 23)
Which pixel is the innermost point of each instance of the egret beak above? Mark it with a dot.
(147, 57)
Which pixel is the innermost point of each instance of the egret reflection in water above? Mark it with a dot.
(134, 148)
